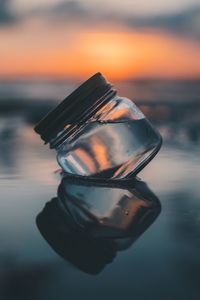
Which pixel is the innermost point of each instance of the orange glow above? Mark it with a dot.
(117, 53)
(117, 114)
(117, 215)
(83, 156)
(100, 153)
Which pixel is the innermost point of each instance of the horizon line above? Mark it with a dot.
(72, 79)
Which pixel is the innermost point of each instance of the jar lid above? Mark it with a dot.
(77, 108)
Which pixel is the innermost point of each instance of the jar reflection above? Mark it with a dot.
(88, 223)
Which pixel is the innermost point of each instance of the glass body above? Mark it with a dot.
(116, 142)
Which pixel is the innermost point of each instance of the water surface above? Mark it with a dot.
(164, 263)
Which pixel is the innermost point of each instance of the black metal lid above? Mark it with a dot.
(75, 109)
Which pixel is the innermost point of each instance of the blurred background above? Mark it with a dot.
(150, 51)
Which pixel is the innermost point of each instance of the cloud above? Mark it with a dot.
(185, 23)
(6, 16)
(64, 10)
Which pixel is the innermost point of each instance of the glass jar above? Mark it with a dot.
(99, 134)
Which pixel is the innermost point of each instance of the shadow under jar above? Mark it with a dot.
(97, 133)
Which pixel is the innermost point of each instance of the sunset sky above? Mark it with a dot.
(122, 39)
